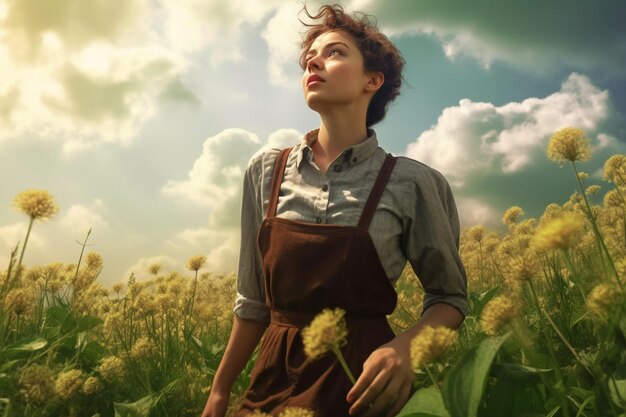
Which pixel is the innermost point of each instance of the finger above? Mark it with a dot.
(401, 399)
(376, 396)
(362, 382)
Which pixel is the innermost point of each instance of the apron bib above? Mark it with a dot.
(308, 267)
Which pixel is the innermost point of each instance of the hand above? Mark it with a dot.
(216, 405)
(385, 384)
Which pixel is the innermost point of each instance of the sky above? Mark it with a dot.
(139, 116)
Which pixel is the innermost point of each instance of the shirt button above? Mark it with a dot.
(318, 220)
(325, 187)
(293, 378)
(337, 168)
(354, 160)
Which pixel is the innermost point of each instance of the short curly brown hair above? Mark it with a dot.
(379, 53)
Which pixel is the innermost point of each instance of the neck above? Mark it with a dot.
(340, 130)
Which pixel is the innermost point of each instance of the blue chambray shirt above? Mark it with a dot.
(416, 218)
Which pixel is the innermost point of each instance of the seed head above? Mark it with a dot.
(512, 214)
(602, 298)
(498, 312)
(38, 204)
(431, 343)
(68, 383)
(569, 144)
(559, 232)
(326, 330)
(296, 412)
(196, 262)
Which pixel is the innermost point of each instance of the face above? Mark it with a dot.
(335, 57)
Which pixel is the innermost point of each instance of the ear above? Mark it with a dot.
(375, 80)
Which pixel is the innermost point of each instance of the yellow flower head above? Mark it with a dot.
(196, 262)
(583, 176)
(38, 204)
(92, 386)
(68, 383)
(142, 349)
(94, 260)
(477, 233)
(498, 311)
(431, 343)
(615, 169)
(592, 189)
(558, 232)
(36, 384)
(155, 268)
(111, 368)
(20, 300)
(296, 412)
(602, 298)
(569, 144)
(525, 267)
(512, 214)
(613, 199)
(326, 330)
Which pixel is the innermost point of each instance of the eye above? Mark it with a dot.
(334, 50)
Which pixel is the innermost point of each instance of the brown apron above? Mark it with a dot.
(308, 267)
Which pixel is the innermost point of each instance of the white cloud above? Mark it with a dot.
(480, 137)
(472, 211)
(140, 267)
(11, 234)
(79, 219)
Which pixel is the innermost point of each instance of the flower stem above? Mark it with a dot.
(344, 364)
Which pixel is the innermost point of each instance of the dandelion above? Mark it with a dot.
(94, 261)
(68, 383)
(512, 214)
(143, 348)
(592, 189)
(569, 144)
(431, 343)
(602, 298)
(327, 331)
(20, 300)
(558, 233)
(36, 384)
(615, 168)
(612, 199)
(296, 412)
(38, 204)
(111, 368)
(92, 385)
(196, 262)
(154, 269)
(499, 311)
(477, 233)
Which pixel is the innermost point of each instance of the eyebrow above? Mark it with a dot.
(326, 46)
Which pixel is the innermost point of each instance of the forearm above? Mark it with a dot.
(439, 314)
(244, 337)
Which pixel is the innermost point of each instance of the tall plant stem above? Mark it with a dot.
(19, 263)
(596, 230)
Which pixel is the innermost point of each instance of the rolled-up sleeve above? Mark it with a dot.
(431, 240)
(250, 299)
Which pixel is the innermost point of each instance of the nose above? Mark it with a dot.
(314, 61)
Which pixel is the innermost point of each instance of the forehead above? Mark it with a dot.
(334, 36)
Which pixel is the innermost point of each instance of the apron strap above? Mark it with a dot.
(277, 178)
(376, 193)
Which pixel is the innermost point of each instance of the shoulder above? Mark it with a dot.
(265, 158)
(411, 171)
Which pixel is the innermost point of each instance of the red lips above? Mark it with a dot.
(314, 77)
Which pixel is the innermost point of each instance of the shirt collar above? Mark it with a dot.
(353, 155)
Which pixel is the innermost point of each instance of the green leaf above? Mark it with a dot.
(464, 385)
(140, 408)
(426, 402)
(617, 388)
(88, 322)
(518, 373)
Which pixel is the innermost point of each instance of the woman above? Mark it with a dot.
(331, 222)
